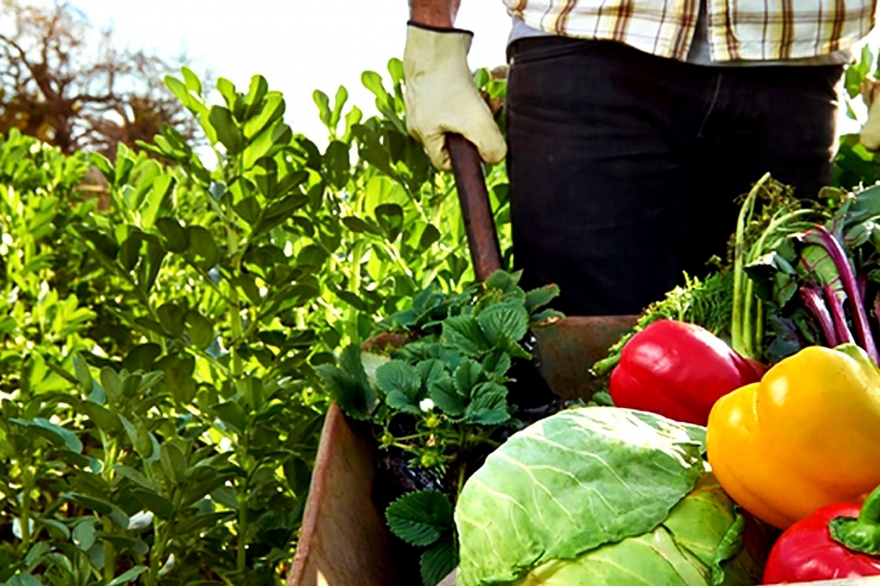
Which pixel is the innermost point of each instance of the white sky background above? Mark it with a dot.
(298, 45)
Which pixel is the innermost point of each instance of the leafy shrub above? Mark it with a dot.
(160, 405)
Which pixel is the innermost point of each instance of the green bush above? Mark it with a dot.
(160, 406)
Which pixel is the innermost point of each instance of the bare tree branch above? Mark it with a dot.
(66, 83)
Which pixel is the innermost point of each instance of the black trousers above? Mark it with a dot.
(624, 167)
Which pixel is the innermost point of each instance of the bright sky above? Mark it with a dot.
(298, 45)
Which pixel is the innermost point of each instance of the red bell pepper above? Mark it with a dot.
(677, 370)
(837, 541)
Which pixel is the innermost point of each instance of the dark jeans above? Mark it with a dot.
(624, 167)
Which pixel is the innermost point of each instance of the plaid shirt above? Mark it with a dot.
(738, 29)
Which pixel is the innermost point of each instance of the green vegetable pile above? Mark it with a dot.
(440, 402)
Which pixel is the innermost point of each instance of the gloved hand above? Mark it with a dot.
(441, 96)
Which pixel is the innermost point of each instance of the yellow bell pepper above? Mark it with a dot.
(806, 436)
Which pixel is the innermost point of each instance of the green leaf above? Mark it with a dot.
(509, 319)
(323, 102)
(359, 226)
(141, 439)
(100, 506)
(445, 395)
(25, 579)
(171, 317)
(390, 219)
(106, 420)
(56, 434)
(36, 553)
(400, 402)
(352, 299)
(439, 561)
(467, 376)
(231, 413)
(270, 110)
(338, 105)
(247, 284)
(337, 163)
(429, 236)
(227, 131)
(347, 384)
(463, 332)
(197, 490)
(289, 182)
(153, 501)
(173, 462)
(129, 252)
(151, 263)
(312, 256)
(547, 315)
(430, 370)
(353, 117)
(83, 374)
(266, 144)
(199, 329)
(279, 212)
(57, 529)
(133, 475)
(127, 576)
(399, 377)
(203, 246)
(248, 209)
(487, 405)
(103, 244)
(142, 357)
(84, 534)
(200, 522)
(420, 518)
(256, 93)
(179, 89)
(192, 80)
(540, 297)
(497, 363)
(503, 281)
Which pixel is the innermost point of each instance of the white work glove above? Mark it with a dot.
(441, 96)
(870, 135)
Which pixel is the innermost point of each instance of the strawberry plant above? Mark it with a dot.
(439, 403)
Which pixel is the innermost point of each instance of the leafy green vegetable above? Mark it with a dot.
(599, 495)
(739, 300)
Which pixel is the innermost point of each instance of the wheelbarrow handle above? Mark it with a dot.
(475, 209)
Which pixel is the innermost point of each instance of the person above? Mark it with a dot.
(634, 125)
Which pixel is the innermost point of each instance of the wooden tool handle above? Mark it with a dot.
(475, 209)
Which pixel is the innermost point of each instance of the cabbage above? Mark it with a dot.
(598, 496)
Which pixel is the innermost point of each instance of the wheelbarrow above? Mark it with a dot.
(344, 540)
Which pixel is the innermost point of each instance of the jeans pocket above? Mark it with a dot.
(538, 49)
